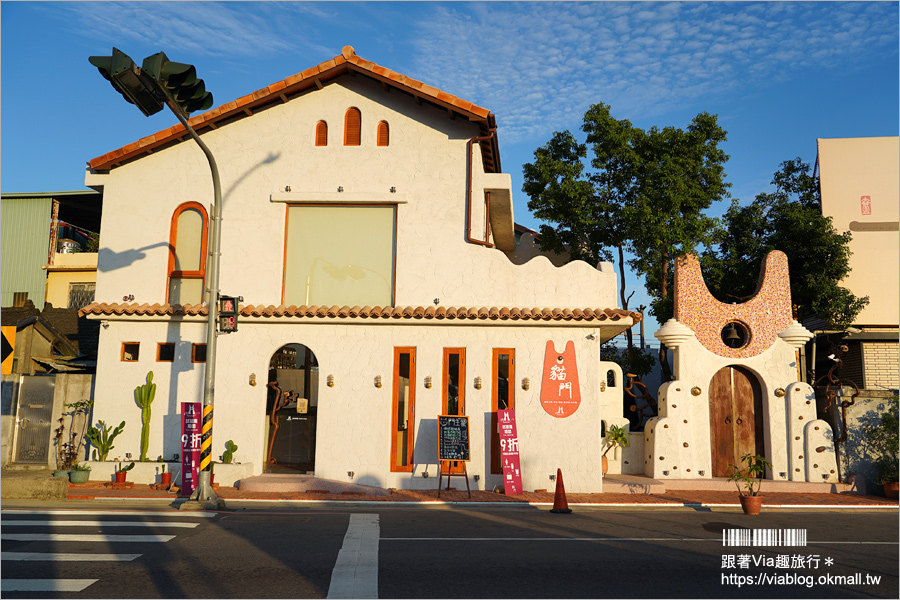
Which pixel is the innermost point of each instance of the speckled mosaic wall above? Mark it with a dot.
(764, 315)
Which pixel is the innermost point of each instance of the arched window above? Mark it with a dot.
(384, 134)
(187, 254)
(321, 133)
(352, 127)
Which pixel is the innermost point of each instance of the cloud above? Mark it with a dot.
(640, 58)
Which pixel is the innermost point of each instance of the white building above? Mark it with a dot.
(368, 226)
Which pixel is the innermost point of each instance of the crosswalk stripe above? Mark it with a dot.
(355, 573)
(67, 557)
(124, 513)
(45, 585)
(49, 523)
(82, 537)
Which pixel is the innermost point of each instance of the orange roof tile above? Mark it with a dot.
(430, 313)
(330, 69)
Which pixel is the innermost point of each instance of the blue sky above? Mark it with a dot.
(778, 75)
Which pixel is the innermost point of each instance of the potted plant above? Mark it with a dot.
(230, 449)
(80, 473)
(165, 477)
(122, 472)
(750, 476)
(883, 439)
(616, 435)
(67, 451)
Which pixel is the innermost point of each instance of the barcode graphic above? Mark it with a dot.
(763, 537)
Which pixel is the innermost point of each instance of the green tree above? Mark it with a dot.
(788, 219)
(645, 195)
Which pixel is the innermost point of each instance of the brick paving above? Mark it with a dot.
(96, 490)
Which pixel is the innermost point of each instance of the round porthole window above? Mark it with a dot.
(735, 335)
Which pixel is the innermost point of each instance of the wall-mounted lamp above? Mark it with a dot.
(378, 381)
(780, 392)
(476, 477)
(350, 474)
(128, 298)
(393, 190)
(330, 381)
(602, 386)
(666, 473)
(437, 301)
(340, 188)
(590, 336)
(696, 391)
(701, 473)
(552, 477)
(478, 383)
(253, 379)
(104, 324)
(526, 383)
(783, 475)
(428, 382)
(287, 188)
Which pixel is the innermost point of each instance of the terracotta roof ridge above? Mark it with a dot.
(294, 83)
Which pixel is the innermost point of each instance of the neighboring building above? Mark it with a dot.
(46, 255)
(860, 185)
(368, 227)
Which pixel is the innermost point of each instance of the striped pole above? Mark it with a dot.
(206, 439)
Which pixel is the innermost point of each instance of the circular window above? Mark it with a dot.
(735, 335)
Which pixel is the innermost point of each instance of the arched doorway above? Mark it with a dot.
(292, 404)
(735, 418)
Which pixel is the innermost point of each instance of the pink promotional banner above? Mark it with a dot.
(191, 423)
(509, 452)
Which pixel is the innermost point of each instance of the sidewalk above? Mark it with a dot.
(671, 498)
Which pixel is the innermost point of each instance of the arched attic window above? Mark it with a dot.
(187, 254)
(321, 133)
(384, 134)
(352, 127)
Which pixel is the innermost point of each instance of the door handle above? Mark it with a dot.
(728, 420)
(740, 421)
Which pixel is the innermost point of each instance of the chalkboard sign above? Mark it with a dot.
(453, 437)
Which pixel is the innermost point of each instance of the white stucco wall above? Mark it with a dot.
(354, 428)
(259, 156)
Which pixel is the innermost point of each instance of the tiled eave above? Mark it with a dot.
(308, 80)
(404, 314)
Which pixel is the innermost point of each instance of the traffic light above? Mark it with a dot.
(128, 80)
(228, 313)
(179, 81)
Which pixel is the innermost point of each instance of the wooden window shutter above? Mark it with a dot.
(383, 134)
(352, 127)
(321, 133)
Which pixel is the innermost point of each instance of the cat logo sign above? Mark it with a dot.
(9, 343)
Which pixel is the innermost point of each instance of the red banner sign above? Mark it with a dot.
(560, 392)
(509, 452)
(191, 424)
(865, 205)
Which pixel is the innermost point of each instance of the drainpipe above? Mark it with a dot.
(487, 206)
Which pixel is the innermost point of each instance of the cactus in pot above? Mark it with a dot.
(144, 395)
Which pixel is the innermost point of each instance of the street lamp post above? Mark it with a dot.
(162, 82)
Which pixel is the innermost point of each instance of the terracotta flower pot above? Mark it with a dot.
(604, 464)
(165, 478)
(751, 504)
(890, 490)
(120, 476)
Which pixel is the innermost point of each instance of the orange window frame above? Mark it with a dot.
(410, 409)
(352, 127)
(194, 348)
(173, 233)
(137, 352)
(461, 406)
(159, 351)
(495, 399)
(383, 134)
(321, 133)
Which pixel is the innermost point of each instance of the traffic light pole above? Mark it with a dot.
(204, 494)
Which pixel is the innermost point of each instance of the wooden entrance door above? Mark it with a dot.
(736, 418)
(454, 393)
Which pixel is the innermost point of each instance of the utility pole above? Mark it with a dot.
(161, 82)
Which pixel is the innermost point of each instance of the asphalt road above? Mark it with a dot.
(467, 552)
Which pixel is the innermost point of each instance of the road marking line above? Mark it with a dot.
(82, 537)
(111, 513)
(609, 539)
(67, 557)
(45, 585)
(355, 573)
(49, 523)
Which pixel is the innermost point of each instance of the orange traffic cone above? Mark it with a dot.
(559, 500)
